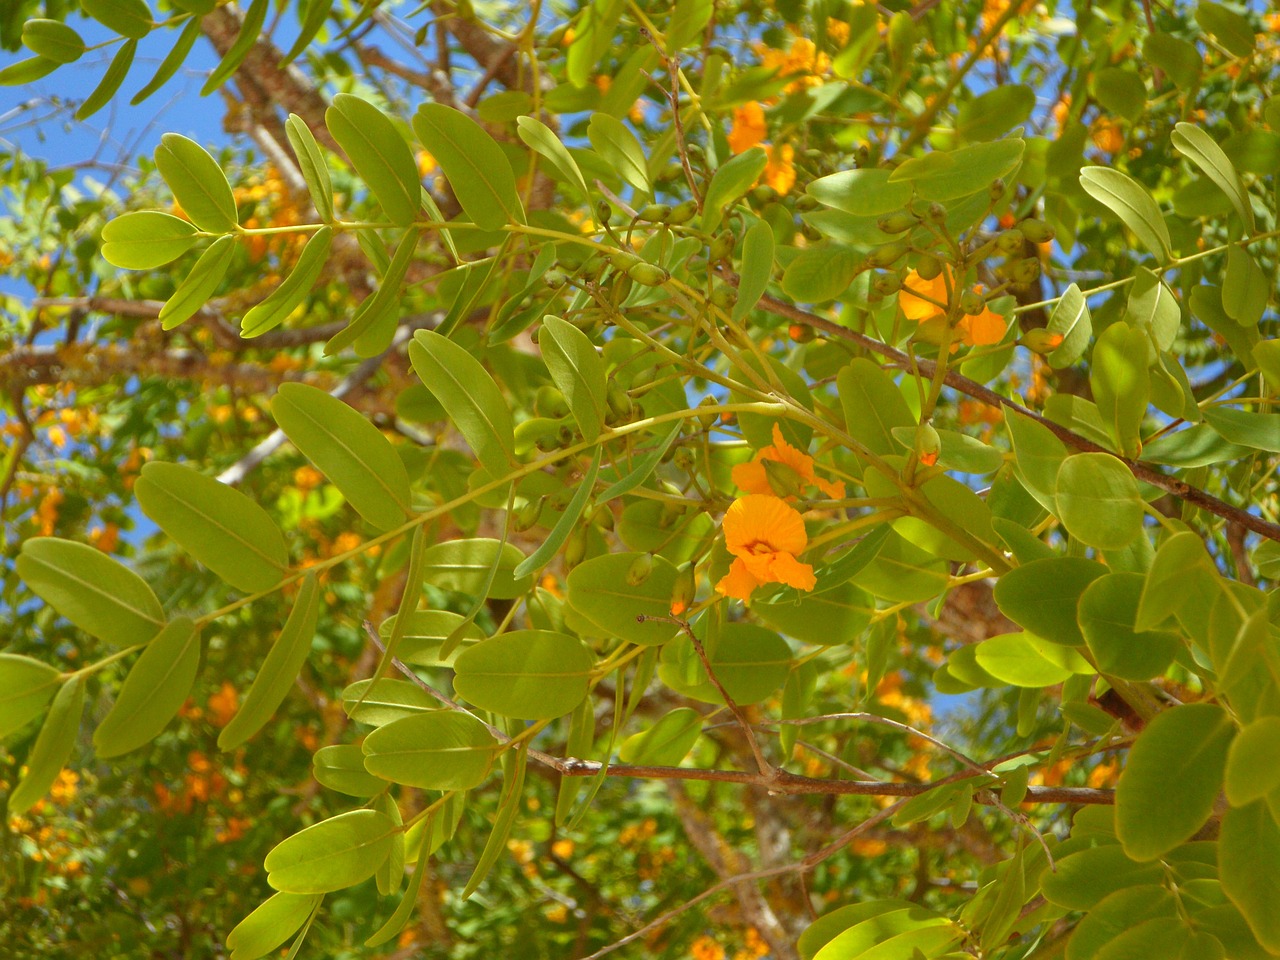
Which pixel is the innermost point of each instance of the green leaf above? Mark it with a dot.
(827, 927)
(598, 590)
(1172, 579)
(1177, 58)
(435, 751)
(995, 112)
(541, 139)
(145, 239)
(847, 566)
(1041, 596)
(821, 273)
(730, 181)
(749, 661)
(1120, 91)
(53, 40)
(478, 170)
(1253, 763)
(1230, 29)
(1173, 776)
(593, 33)
(99, 595)
(688, 19)
(340, 767)
(26, 685)
(578, 370)
(1038, 456)
(470, 397)
(400, 917)
(347, 449)
(287, 297)
(1261, 431)
(279, 669)
(508, 806)
(27, 71)
(1085, 878)
(373, 326)
(667, 742)
(218, 525)
(834, 617)
(250, 30)
(1022, 660)
(332, 854)
(1245, 288)
(564, 526)
(953, 174)
(1198, 147)
(1072, 320)
(755, 269)
(619, 148)
(1129, 201)
(129, 18)
(863, 193)
(379, 155)
(1248, 851)
(313, 19)
(270, 925)
(1107, 613)
(52, 748)
(1117, 914)
(153, 691)
(199, 285)
(1152, 307)
(1098, 501)
(1121, 383)
(465, 565)
(525, 674)
(872, 405)
(311, 161)
(174, 59)
(198, 183)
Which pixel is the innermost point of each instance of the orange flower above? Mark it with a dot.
(915, 288)
(753, 477)
(1107, 135)
(748, 127)
(985, 329)
(780, 173)
(764, 535)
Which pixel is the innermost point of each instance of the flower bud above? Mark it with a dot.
(888, 254)
(640, 569)
(1025, 271)
(575, 547)
(619, 402)
(937, 213)
(708, 420)
(722, 246)
(786, 481)
(1010, 242)
(604, 212)
(526, 515)
(1037, 231)
(723, 296)
(805, 203)
(684, 212)
(762, 194)
(896, 222)
(801, 332)
(685, 589)
(997, 189)
(655, 213)
(550, 402)
(648, 274)
(1041, 340)
(683, 459)
(929, 267)
(928, 444)
(972, 302)
(886, 284)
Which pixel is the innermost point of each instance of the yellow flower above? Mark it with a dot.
(748, 127)
(911, 298)
(764, 535)
(780, 173)
(753, 478)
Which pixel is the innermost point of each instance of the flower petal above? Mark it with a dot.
(751, 477)
(787, 569)
(738, 582)
(759, 520)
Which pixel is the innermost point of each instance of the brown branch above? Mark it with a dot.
(1145, 472)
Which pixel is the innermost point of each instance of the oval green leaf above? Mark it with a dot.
(380, 155)
(665, 743)
(434, 751)
(311, 163)
(347, 449)
(110, 82)
(1248, 851)
(1130, 201)
(198, 183)
(286, 298)
(464, 565)
(25, 687)
(748, 660)
(340, 767)
(1108, 609)
(333, 854)
(1173, 776)
(270, 925)
(199, 285)
(578, 371)
(52, 748)
(525, 674)
(129, 18)
(1253, 763)
(1098, 501)
(479, 172)
(1041, 596)
(53, 40)
(99, 595)
(731, 180)
(145, 239)
(598, 590)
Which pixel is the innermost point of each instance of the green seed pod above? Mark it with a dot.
(1025, 271)
(684, 212)
(805, 203)
(886, 284)
(708, 420)
(604, 212)
(888, 254)
(655, 213)
(549, 402)
(1037, 231)
(1010, 242)
(644, 376)
(621, 260)
(896, 222)
(762, 194)
(937, 213)
(648, 274)
(972, 302)
(683, 459)
(722, 246)
(525, 516)
(555, 278)
(640, 569)
(929, 267)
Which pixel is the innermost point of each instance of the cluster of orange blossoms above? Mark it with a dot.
(762, 530)
(924, 301)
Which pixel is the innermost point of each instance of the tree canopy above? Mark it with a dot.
(780, 479)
